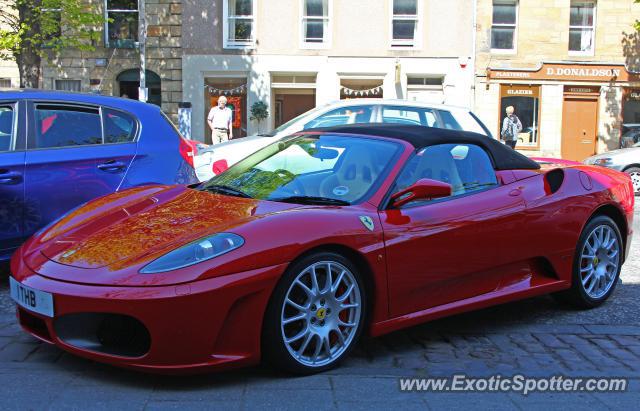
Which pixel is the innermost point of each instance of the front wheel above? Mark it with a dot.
(315, 315)
(597, 264)
(634, 173)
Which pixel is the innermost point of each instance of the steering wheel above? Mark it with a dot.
(296, 188)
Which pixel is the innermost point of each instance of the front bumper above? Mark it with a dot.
(204, 325)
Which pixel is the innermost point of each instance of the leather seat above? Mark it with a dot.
(356, 173)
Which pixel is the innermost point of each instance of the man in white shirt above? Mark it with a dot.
(219, 120)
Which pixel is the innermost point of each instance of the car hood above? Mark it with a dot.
(132, 228)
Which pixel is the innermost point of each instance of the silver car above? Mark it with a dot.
(212, 160)
(625, 159)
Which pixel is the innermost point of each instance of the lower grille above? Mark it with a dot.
(113, 334)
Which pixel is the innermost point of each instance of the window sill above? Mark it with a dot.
(581, 53)
(314, 46)
(504, 52)
(239, 46)
(401, 46)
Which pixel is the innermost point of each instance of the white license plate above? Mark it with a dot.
(34, 300)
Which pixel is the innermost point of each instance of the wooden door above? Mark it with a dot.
(579, 127)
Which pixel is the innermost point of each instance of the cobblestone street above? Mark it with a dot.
(535, 337)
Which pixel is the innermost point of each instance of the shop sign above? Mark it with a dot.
(568, 72)
(582, 90)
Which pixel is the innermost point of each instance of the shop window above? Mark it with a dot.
(315, 22)
(630, 118)
(526, 103)
(361, 88)
(405, 23)
(504, 26)
(235, 90)
(582, 27)
(122, 24)
(631, 108)
(239, 23)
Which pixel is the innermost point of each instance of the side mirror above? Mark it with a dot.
(423, 189)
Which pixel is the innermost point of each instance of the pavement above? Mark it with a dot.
(535, 337)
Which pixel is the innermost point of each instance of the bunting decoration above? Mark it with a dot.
(229, 92)
(351, 92)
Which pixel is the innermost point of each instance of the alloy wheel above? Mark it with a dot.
(321, 313)
(599, 261)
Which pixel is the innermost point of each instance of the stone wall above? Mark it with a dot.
(163, 56)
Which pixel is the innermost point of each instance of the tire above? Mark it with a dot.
(634, 173)
(321, 320)
(599, 242)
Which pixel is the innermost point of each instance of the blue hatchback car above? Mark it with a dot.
(59, 150)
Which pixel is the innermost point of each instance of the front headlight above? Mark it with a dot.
(604, 161)
(193, 253)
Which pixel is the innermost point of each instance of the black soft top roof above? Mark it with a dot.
(504, 158)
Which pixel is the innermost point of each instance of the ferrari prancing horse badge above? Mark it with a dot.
(367, 222)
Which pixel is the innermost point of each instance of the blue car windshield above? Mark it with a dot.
(325, 169)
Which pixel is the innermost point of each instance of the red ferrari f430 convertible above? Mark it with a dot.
(296, 251)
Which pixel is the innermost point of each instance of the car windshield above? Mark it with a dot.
(292, 122)
(325, 169)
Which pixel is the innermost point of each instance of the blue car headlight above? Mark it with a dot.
(193, 253)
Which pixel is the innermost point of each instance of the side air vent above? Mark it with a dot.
(554, 179)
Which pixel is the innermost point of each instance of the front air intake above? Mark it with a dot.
(113, 334)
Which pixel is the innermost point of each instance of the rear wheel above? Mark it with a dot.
(315, 315)
(597, 264)
(634, 173)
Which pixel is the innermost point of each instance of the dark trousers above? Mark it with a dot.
(511, 143)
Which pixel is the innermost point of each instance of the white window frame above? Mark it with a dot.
(514, 49)
(592, 51)
(107, 10)
(417, 38)
(326, 42)
(232, 44)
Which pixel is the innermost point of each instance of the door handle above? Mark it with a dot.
(112, 166)
(10, 177)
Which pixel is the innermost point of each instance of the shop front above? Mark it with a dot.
(567, 110)
(291, 85)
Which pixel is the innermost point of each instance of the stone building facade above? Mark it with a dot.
(113, 67)
(569, 67)
(295, 55)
